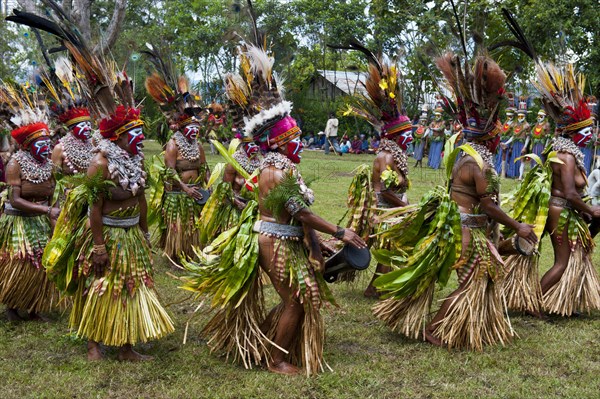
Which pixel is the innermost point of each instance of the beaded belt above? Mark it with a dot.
(559, 202)
(12, 211)
(281, 231)
(473, 221)
(124, 223)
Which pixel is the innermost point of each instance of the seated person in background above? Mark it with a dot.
(365, 144)
(356, 145)
(374, 145)
(345, 146)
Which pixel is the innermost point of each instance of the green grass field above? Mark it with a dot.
(559, 358)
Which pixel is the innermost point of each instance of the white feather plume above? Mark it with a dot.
(260, 62)
(64, 69)
(280, 110)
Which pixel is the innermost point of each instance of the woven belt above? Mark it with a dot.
(181, 191)
(559, 202)
(282, 231)
(473, 221)
(124, 223)
(12, 211)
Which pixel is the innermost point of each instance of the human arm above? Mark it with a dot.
(57, 156)
(382, 162)
(13, 179)
(484, 187)
(170, 162)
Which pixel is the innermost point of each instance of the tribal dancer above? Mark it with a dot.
(390, 167)
(517, 143)
(436, 140)
(284, 239)
(107, 262)
(25, 225)
(474, 315)
(185, 169)
(541, 134)
(572, 284)
(503, 153)
(419, 136)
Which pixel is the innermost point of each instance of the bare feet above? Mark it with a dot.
(432, 339)
(126, 353)
(284, 368)
(93, 351)
(13, 315)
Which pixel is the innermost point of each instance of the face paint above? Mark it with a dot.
(404, 140)
(135, 138)
(251, 150)
(509, 117)
(82, 130)
(294, 149)
(582, 137)
(521, 118)
(191, 131)
(40, 149)
(438, 117)
(541, 118)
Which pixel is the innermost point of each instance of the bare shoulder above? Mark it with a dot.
(13, 167)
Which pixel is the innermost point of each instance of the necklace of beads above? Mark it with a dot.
(561, 144)
(400, 158)
(33, 170)
(127, 169)
(280, 161)
(189, 149)
(484, 153)
(249, 165)
(78, 153)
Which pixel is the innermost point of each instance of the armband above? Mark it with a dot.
(293, 206)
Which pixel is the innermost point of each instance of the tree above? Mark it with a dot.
(84, 12)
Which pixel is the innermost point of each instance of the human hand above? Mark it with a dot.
(526, 231)
(596, 211)
(99, 263)
(193, 192)
(54, 213)
(326, 248)
(350, 237)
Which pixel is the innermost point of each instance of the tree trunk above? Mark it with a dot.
(80, 12)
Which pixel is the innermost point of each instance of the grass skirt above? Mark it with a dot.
(180, 213)
(23, 281)
(121, 306)
(578, 289)
(293, 264)
(478, 315)
(522, 288)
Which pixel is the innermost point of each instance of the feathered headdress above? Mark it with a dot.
(561, 88)
(257, 95)
(28, 117)
(382, 106)
(65, 100)
(171, 92)
(106, 90)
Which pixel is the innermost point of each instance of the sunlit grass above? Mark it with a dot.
(559, 358)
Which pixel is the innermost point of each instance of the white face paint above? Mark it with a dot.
(521, 118)
(295, 148)
(191, 131)
(438, 116)
(509, 117)
(541, 118)
(136, 140)
(41, 149)
(83, 130)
